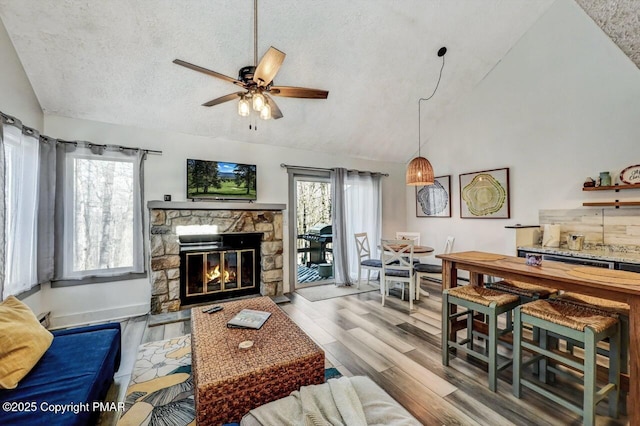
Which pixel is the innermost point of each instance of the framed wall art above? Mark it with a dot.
(485, 194)
(434, 200)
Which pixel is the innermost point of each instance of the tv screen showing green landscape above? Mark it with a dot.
(218, 180)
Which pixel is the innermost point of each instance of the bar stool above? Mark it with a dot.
(622, 309)
(488, 302)
(527, 292)
(585, 324)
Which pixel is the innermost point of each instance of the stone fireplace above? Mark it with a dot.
(227, 219)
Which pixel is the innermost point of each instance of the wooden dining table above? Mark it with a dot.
(416, 249)
(621, 286)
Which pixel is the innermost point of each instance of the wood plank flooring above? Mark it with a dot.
(400, 352)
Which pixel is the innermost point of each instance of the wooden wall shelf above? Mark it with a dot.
(617, 188)
(613, 187)
(612, 204)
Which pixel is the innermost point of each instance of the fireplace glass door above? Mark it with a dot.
(220, 271)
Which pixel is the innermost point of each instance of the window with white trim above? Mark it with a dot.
(102, 214)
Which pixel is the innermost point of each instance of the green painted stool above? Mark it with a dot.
(585, 324)
(622, 309)
(488, 302)
(527, 293)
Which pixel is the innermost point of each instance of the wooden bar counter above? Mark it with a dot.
(621, 286)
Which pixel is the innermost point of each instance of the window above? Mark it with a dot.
(102, 213)
(21, 202)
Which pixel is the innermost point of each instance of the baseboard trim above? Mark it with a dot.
(93, 317)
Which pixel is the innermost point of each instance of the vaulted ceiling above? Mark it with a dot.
(111, 61)
(620, 20)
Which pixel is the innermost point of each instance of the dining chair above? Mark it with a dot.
(415, 236)
(364, 257)
(421, 270)
(397, 266)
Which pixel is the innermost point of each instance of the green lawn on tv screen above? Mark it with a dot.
(228, 189)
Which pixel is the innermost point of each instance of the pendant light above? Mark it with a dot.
(419, 170)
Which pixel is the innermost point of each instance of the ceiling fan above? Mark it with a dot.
(257, 81)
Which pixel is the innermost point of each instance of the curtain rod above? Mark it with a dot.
(121, 147)
(320, 169)
(29, 130)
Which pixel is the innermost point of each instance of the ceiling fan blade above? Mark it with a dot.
(222, 99)
(209, 72)
(275, 111)
(268, 66)
(298, 92)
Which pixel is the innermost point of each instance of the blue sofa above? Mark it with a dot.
(74, 372)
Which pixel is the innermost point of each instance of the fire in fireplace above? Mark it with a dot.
(219, 266)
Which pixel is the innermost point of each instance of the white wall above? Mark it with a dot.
(166, 174)
(562, 105)
(16, 94)
(18, 100)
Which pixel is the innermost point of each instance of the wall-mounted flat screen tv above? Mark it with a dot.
(218, 180)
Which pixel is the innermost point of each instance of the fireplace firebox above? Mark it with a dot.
(219, 266)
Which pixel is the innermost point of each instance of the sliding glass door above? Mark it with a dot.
(313, 231)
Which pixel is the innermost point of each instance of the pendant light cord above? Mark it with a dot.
(419, 109)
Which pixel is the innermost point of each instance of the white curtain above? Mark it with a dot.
(357, 207)
(100, 198)
(21, 179)
(363, 201)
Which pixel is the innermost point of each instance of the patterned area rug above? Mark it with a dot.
(161, 389)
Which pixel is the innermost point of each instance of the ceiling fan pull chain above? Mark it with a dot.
(254, 125)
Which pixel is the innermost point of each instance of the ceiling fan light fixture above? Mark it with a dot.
(256, 82)
(265, 112)
(258, 101)
(243, 107)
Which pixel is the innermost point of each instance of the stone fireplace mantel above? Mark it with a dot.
(213, 205)
(228, 217)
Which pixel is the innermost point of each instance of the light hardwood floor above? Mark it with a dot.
(400, 352)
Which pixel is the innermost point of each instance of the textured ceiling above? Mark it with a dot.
(620, 20)
(110, 61)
